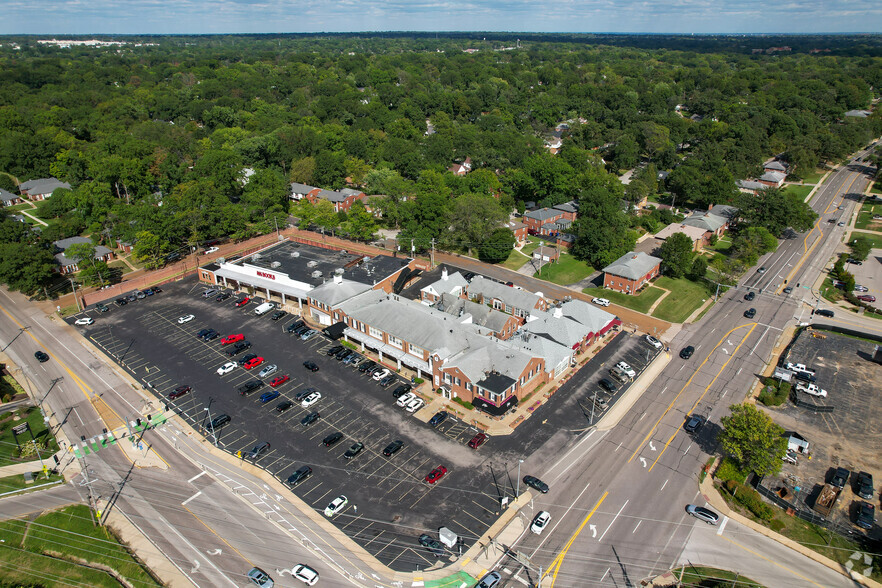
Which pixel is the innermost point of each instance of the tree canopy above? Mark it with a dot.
(753, 439)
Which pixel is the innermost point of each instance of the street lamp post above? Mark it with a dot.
(518, 492)
(213, 435)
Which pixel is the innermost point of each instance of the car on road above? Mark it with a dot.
(750, 313)
(253, 363)
(232, 339)
(179, 391)
(379, 375)
(222, 296)
(491, 580)
(218, 422)
(279, 314)
(438, 418)
(310, 418)
(812, 389)
(540, 521)
(336, 506)
(703, 514)
(211, 250)
(354, 450)
(750, 296)
(41, 356)
(761, 270)
(298, 476)
(332, 439)
(687, 352)
(393, 448)
(477, 440)
(268, 370)
(226, 368)
(433, 545)
(600, 301)
(87, 320)
(260, 578)
(693, 423)
(436, 474)
(239, 348)
(279, 380)
(840, 224)
(249, 387)
(311, 399)
(840, 478)
(865, 486)
(242, 301)
(311, 366)
(788, 290)
(536, 484)
(186, 318)
(305, 574)
(608, 385)
(284, 405)
(653, 341)
(415, 404)
(823, 312)
(258, 450)
(405, 398)
(866, 298)
(269, 395)
(866, 515)
(627, 369)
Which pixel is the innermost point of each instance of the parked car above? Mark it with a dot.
(840, 478)
(866, 298)
(268, 370)
(477, 440)
(379, 375)
(415, 404)
(218, 422)
(253, 363)
(269, 395)
(627, 369)
(388, 380)
(433, 545)
(703, 514)
(600, 301)
(209, 292)
(246, 358)
(258, 450)
(311, 366)
(653, 341)
(101, 307)
(279, 314)
(866, 515)
(608, 385)
(239, 348)
(436, 474)
(249, 387)
(335, 350)
(279, 380)
(402, 389)
(490, 580)
(405, 398)
(41, 356)
(305, 574)
(179, 391)
(368, 365)
(854, 261)
(226, 368)
(687, 352)
(439, 418)
(309, 335)
(300, 474)
(309, 419)
(242, 301)
(284, 405)
(332, 439)
(343, 354)
(120, 301)
(222, 296)
(311, 399)
(87, 320)
(865, 486)
(393, 448)
(303, 394)
(336, 506)
(812, 389)
(186, 318)
(536, 484)
(354, 450)
(210, 335)
(540, 521)
(232, 339)
(293, 326)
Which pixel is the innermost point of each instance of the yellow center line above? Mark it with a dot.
(732, 355)
(555, 565)
(686, 385)
(216, 535)
(759, 555)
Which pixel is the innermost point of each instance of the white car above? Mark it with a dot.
(311, 399)
(186, 319)
(654, 342)
(627, 369)
(811, 389)
(800, 367)
(600, 301)
(227, 368)
(210, 250)
(86, 320)
(542, 519)
(405, 398)
(305, 574)
(336, 506)
(268, 370)
(381, 374)
(414, 405)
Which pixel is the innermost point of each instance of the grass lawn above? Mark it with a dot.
(640, 302)
(829, 292)
(813, 178)
(702, 576)
(9, 452)
(18, 207)
(801, 191)
(723, 245)
(567, 270)
(865, 217)
(876, 188)
(684, 298)
(17, 482)
(70, 533)
(124, 267)
(517, 259)
(875, 239)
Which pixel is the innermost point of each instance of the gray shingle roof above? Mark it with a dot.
(301, 188)
(751, 185)
(705, 220)
(7, 197)
(511, 296)
(542, 214)
(333, 293)
(775, 166)
(43, 185)
(65, 243)
(331, 196)
(633, 265)
(454, 282)
(773, 176)
(567, 207)
(472, 312)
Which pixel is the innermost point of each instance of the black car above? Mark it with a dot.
(102, 307)
(432, 545)
(687, 352)
(608, 385)
(840, 478)
(750, 296)
(249, 387)
(202, 333)
(854, 261)
(222, 296)
(301, 329)
(750, 313)
(332, 439)
(341, 355)
(334, 350)
(157, 289)
(439, 418)
(298, 476)
(246, 358)
(536, 483)
(310, 365)
(293, 326)
(387, 380)
(238, 348)
(368, 365)
(865, 485)
(866, 515)
(41, 356)
(354, 450)
(402, 389)
(823, 312)
(393, 448)
(309, 419)
(120, 301)
(304, 393)
(805, 377)
(211, 334)
(218, 422)
(278, 315)
(693, 423)
(284, 405)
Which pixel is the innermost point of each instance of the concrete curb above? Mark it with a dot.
(624, 404)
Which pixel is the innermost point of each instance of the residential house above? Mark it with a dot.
(453, 284)
(41, 189)
(700, 237)
(124, 246)
(564, 240)
(546, 254)
(777, 166)
(750, 186)
(515, 301)
(67, 265)
(342, 200)
(772, 178)
(301, 191)
(7, 199)
(547, 221)
(461, 169)
(716, 220)
(519, 230)
(631, 272)
(569, 209)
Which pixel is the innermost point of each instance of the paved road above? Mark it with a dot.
(618, 509)
(22, 504)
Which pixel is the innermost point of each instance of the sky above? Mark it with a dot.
(55, 17)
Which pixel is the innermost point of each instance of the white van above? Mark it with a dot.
(264, 308)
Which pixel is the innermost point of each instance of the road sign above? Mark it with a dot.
(19, 429)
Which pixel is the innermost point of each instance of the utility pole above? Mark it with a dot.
(73, 286)
(432, 259)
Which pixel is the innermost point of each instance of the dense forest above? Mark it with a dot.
(155, 135)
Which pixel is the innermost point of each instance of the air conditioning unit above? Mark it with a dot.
(275, 264)
(256, 256)
(338, 271)
(316, 274)
(295, 254)
(311, 263)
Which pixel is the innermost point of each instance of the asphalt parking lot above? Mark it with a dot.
(389, 502)
(847, 437)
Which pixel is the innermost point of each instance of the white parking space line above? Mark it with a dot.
(192, 497)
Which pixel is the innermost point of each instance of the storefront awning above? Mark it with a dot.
(375, 344)
(492, 409)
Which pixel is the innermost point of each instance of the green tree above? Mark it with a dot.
(676, 254)
(497, 246)
(25, 268)
(753, 439)
(860, 248)
(150, 249)
(97, 272)
(265, 189)
(325, 216)
(303, 170)
(752, 242)
(360, 223)
(473, 217)
(601, 229)
(776, 210)
(698, 269)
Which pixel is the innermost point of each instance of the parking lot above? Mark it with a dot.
(847, 437)
(389, 502)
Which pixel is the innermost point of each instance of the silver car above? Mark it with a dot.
(703, 514)
(491, 580)
(268, 370)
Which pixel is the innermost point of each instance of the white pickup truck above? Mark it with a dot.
(800, 367)
(811, 389)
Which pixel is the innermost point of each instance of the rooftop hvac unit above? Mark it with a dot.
(221, 260)
(365, 259)
(275, 264)
(339, 271)
(316, 274)
(295, 254)
(343, 252)
(312, 263)
(256, 256)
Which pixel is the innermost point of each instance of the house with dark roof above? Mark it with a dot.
(342, 200)
(301, 191)
(41, 189)
(631, 272)
(8, 199)
(67, 265)
(547, 221)
(772, 178)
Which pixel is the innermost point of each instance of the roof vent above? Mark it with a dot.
(317, 274)
(276, 264)
(295, 254)
(312, 263)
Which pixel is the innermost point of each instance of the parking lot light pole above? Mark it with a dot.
(518, 491)
(213, 435)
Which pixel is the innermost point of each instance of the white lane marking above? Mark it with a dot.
(663, 485)
(191, 498)
(605, 573)
(614, 520)
(190, 481)
(687, 449)
(722, 525)
(637, 527)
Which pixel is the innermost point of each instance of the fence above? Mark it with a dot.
(794, 398)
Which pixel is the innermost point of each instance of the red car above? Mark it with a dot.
(280, 380)
(253, 363)
(232, 339)
(477, 440)
(243, 301)
(867, 298)
(179, 391)
(436, 474)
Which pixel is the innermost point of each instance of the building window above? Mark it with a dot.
(394, 341)
(376, 333)
(414, 350)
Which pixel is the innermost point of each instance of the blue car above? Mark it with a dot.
(270, 395)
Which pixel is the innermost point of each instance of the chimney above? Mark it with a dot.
(558, 312)
(338, 279)
(443, 273)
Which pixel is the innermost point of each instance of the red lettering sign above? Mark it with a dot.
(266, 275)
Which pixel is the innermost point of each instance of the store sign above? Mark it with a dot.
(266, 275)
